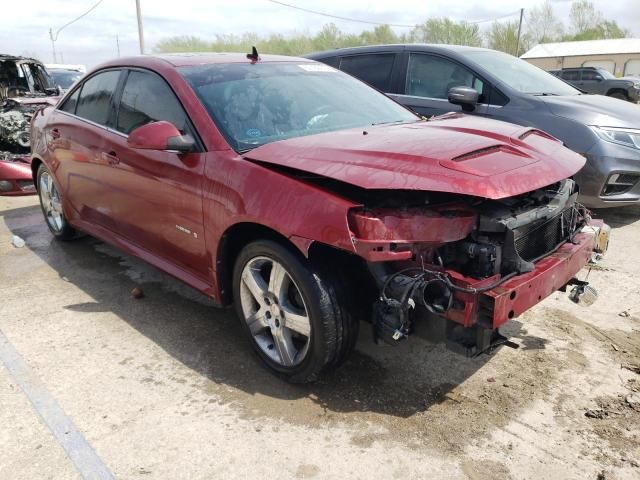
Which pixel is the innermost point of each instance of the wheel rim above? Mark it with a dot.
(50, 199)
(274, 311)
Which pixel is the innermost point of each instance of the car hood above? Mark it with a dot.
(595, 110)
(453, 153)
(35, 100)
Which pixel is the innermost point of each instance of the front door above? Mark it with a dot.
(156, 196)
(428, 81)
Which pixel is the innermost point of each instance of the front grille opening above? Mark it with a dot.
(536, 240)
(618, 183)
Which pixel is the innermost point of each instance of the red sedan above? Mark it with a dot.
(310, 201)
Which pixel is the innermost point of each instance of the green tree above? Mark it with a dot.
(584, 16)
(587, 23)
(444, 30)
(604, 30)
(183, 43)
(380, 34)
(542, 25)
(503, 36)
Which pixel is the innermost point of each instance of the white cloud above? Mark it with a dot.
(25, 25)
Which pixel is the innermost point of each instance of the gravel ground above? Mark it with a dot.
(166, 386)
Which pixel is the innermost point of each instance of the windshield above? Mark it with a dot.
(254, 104)
(518, 74)
(606, 74)
(64, 78)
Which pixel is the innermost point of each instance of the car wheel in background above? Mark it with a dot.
(619, 95)
(51, 203)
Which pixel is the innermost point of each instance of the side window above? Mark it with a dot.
(433, 77)
(374, 69)
(147, 98)
(590, 75)
(70, 103)
(95, 98)
(571, 75)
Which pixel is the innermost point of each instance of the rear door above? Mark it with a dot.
(155, 197)
(429, 78)
(76, 138)
(572, 77)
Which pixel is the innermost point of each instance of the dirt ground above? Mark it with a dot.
(166, 387)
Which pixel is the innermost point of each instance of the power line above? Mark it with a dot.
(54, 38)
(338, 17)
(75, 20)
(369, 22)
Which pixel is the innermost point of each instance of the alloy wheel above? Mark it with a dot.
(274, 311)
(51, 204)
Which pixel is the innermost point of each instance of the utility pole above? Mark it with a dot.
(519, 30)
(54, 38)
(140, 32)
(53, 45)
(118, 45)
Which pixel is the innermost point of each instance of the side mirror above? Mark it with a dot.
(160, 136)
(466, 97)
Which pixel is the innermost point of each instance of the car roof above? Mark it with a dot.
(582, 68)
(431, 47)
(192, 59)
(17, 58)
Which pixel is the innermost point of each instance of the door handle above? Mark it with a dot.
(55, 134)
(111, 158)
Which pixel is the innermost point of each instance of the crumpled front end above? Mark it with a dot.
(16, 177)
(15, 168)
(475, 263)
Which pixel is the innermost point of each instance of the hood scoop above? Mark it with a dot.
(489, 161)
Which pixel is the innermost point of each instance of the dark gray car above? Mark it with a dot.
(605, 130)
(600, 81)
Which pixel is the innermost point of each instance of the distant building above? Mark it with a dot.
(619, 56)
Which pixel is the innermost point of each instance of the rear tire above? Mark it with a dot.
(290, 312)
(51, 204)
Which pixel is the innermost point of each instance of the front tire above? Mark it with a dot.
(51, 204)
(619, 96)
(290, 312)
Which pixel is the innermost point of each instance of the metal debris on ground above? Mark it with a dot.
(17, 242)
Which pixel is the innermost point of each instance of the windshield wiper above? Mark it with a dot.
(545, 94)
(387, 123)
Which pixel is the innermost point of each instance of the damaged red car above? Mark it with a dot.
(25, 86)
(312, 202)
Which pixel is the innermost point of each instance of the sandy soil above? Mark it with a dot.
(166, 386)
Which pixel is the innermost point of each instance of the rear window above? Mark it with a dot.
(571, 75)
(374, 69)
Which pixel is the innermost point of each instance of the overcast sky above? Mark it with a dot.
(24, 25)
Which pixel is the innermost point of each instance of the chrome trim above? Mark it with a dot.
(103, 127)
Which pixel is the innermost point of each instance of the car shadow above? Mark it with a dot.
(618, 217)
(398, 381)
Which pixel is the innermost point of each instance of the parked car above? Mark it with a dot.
(25, 86)
(601, 81)
(64, 76)
(311, 201)
(605, 130)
